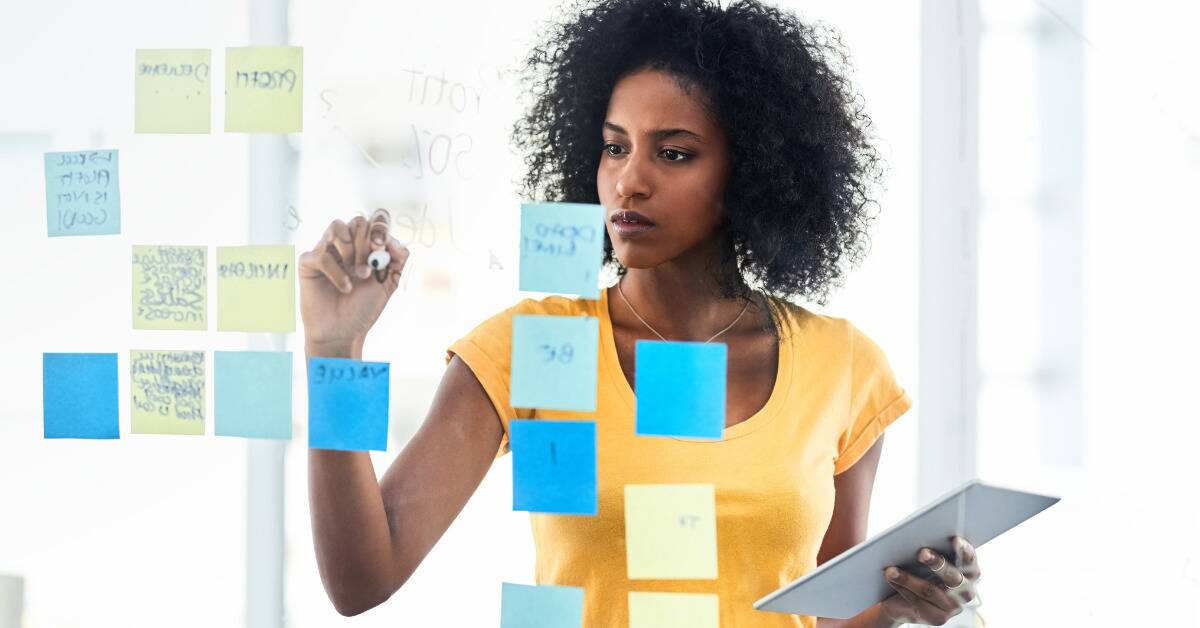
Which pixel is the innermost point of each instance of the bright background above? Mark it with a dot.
(1086, 331)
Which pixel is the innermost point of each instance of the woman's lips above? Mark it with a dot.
(630, 224)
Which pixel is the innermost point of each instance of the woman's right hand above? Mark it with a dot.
(340, 297)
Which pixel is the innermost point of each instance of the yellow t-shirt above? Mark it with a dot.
(773, 473)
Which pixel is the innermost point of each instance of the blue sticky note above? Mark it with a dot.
(680, 388)
(541, 606)
(347, 404)
(554, 466)
(562, 247)
(82, 194)
(79, 395)
(253, 394)
(554, 362)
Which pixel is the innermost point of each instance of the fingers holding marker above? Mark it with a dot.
(323, 260)
(339, 237)
(358, 262)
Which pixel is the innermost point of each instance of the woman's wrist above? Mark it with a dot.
(874, 617)
(335, 349)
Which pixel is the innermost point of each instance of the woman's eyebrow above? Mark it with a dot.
(658, 134)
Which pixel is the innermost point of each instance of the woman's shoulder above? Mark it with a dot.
(816, 328)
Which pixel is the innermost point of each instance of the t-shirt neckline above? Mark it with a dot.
(764, 415)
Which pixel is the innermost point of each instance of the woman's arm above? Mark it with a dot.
(916, 600)
(371, 535)
(848, 527)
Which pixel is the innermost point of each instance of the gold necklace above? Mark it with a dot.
(639, 317)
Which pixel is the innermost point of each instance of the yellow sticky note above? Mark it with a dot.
(263, 89)
(256, 288)
(171, 91)
(671, 531)
(170, 287)
(673, 610)
(167, 392)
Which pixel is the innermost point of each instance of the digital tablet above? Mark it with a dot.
(851, 582)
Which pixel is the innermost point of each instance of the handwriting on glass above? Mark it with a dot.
(272, 80)
(556, 240)
(172, 284)
(168, 383)
(327, 373)
(252, 270)
(562, 353)
(86, 188)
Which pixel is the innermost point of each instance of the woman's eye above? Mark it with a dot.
(670, 153)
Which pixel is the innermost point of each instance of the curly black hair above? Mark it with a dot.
(802, 167)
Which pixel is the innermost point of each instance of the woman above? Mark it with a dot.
(733, 163)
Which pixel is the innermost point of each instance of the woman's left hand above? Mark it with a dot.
(921, 601)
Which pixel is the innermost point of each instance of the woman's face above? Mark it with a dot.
(665, 159)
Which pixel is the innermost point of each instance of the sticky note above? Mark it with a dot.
(542, 606)
(256, 288)
(671, 531)
(554, 362)
(167, 392)
(170, 287)
(347, 404)
(264, 89)
(673, 610)
(79, 395)
(680, 388)
(171, 91)
(82, 193)
(252, 391)
(562, 247)
(554, 466)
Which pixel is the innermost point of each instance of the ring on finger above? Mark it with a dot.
(941, 566)
(961, 580)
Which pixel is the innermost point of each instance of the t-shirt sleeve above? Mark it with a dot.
(876, 400)
(487, 351)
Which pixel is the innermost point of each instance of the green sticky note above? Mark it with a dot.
(171, 91)
(256, 288)
(673, 610)
(170, 287)
(167, 392)
(671, 531)
(264, 89)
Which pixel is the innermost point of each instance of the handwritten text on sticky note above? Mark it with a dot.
(167, 392)
(256, 288)
(671, 531)
(170, 288)
(542, 606)
(554, 362)
(252, 392)
(264, 89)
(171, 91)
(554, 466)
(79, 395)
(680, 388)
(562, 247)
(673, 610)
(347, 404)
(82, 193)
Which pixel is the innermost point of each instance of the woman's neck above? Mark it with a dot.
(680, 303)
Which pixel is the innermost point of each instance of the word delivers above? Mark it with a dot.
(199, 71)
(168, 383)
(170, 286)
